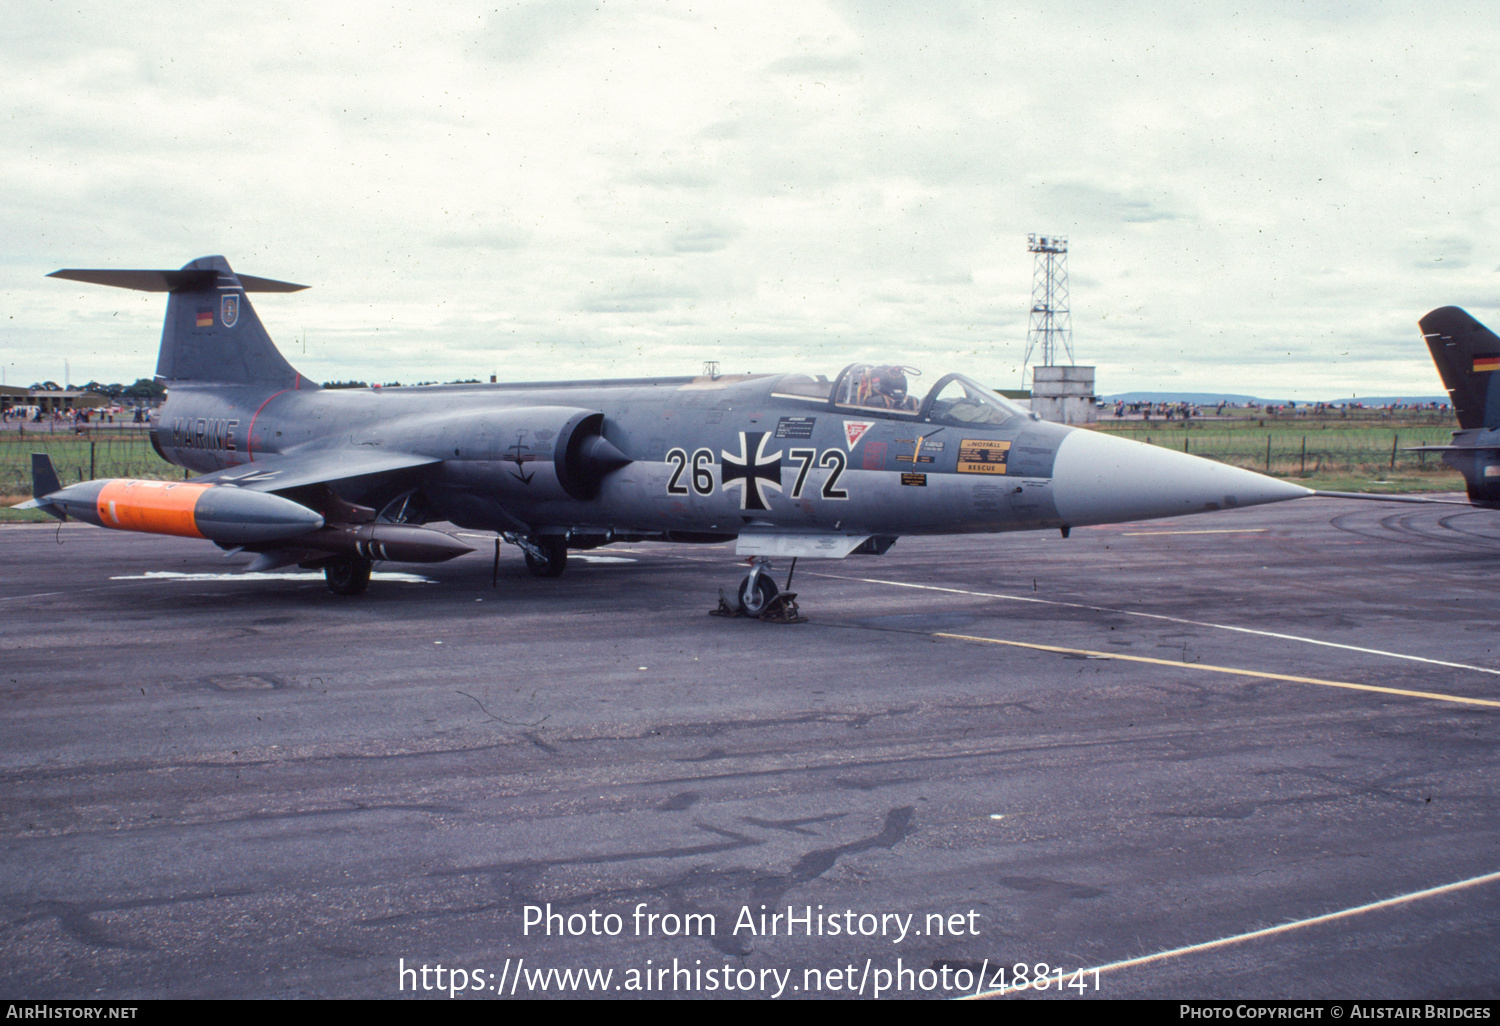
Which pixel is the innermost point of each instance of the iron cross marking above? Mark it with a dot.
(752, 471)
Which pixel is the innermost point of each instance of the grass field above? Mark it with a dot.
(1356, 453)
(1360, 452)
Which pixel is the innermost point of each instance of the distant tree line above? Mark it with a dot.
(144, 388)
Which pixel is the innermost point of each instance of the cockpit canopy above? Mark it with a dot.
(892, 389)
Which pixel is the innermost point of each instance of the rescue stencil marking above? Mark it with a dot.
(982, 456)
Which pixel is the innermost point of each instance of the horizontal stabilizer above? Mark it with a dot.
(276, 473)
(171, 281)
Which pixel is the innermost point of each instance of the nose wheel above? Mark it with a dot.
(757, 592)
(760, 598)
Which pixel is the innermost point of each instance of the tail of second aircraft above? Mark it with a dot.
(1467, 355)
(211, 335)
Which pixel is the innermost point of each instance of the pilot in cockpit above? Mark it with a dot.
(888, 389)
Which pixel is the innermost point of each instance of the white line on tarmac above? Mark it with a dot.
(1224, 530)
(1223, 942)
(71, 525)
(1167, 619)
(309, 575)
(40, 594)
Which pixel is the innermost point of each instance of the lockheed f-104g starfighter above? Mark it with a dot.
(784, 465)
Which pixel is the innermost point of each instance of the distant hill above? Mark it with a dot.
(1214, 398)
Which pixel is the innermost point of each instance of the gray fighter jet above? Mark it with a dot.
(785, 465)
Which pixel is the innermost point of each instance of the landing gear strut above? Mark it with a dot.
(347, 575)
(546, 554)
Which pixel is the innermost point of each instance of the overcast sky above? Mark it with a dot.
(1259, 197)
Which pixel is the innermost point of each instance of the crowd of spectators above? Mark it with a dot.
(1191, 411)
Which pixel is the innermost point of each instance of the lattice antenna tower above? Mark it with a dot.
(1051, 326)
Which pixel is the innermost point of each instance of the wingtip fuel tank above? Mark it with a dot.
(219, 513)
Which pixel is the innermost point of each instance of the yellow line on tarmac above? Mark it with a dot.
(1232, 671)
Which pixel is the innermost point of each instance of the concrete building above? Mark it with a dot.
(1064, 395)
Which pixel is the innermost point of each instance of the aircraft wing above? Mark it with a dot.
(278, 472)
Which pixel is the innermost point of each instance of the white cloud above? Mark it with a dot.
(562, 189)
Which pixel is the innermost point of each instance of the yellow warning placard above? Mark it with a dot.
(982, 456)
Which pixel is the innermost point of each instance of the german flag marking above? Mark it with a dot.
(1486, 363)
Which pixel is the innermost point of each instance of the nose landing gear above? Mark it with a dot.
(760, 598)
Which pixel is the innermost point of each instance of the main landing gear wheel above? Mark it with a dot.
(347, 575)
(757, 592)
(554, 556)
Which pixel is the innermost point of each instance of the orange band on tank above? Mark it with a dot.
(157, 507)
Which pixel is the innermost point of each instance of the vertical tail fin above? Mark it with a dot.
(211, 334)
(1467, 355)
(44, 480)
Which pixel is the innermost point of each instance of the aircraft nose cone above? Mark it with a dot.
(1100, 479)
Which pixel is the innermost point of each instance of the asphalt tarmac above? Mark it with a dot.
(1120, 752)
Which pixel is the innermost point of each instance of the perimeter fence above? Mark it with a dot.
(79, 456)
(1299, 448)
